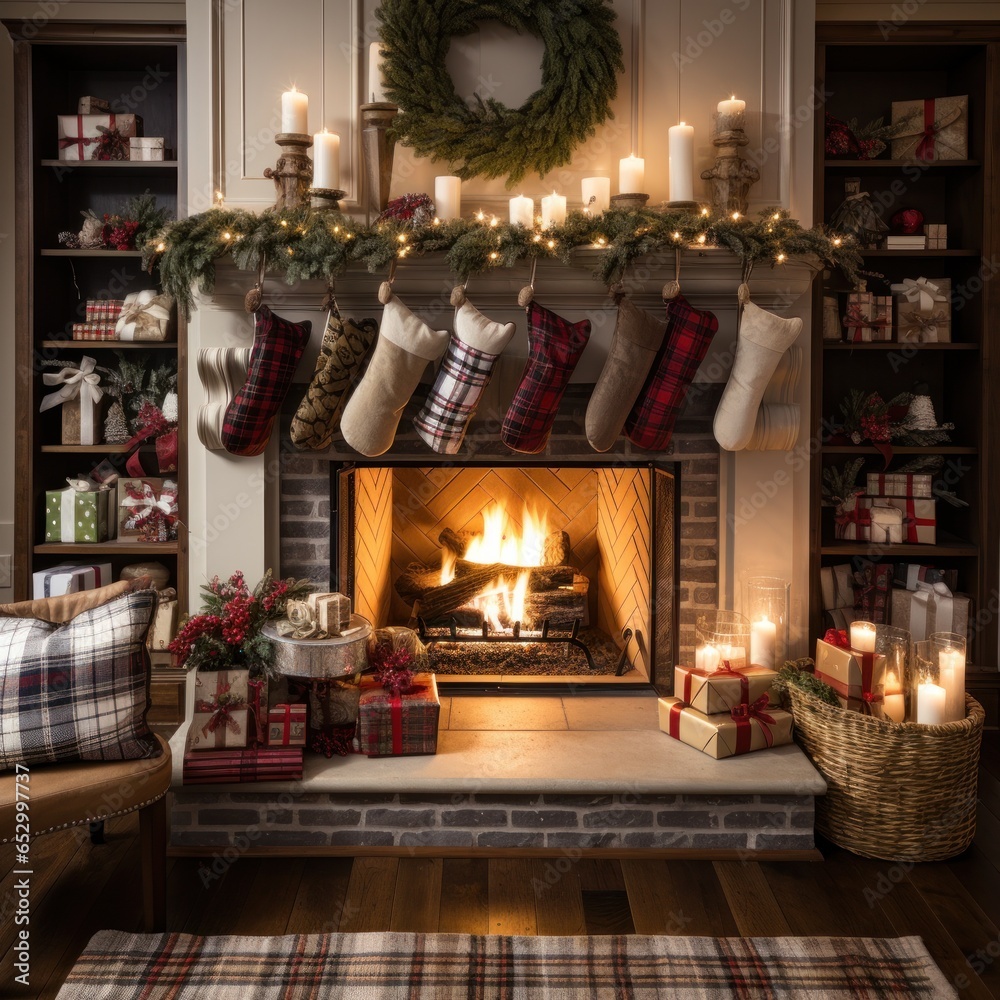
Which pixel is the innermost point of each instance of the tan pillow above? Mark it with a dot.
(63, 609)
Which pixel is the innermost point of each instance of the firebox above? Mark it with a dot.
(565, 572)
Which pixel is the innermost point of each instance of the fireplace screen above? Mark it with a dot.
(510, 571)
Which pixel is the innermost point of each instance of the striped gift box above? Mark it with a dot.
(900, 484)
(104, 310)
(94, 331)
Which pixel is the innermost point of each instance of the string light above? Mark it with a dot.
(437, 221)
(780, 258)
(677, 236)
(291, 252)
(701, 237)
(480, 215)
(284, 223)
(494, 222)
(736, 216)
(776, 216)
(160, 247)
(601, 241)
(494, 255)
(219, 198)
(537, 238)
(401, 237)
(837, 241)
(226, 236)
(704, 211)
(551, 244)
(336, 229)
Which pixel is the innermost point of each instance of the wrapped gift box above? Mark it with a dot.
(837, 586)
(930, 608)
(857, 678)
(934, 129)
(858, 315)
(919, 526)
(721, 690)
(147, 509)
(81, 398)
(332, 612)
(69, 578)
(94, 331)
(908, 575)
(71, 516)
(146, 315)
(286, 726)
(399, 725)
(853, 521)
(873, 583)
(213, 767)
(93, 106)
(937, 236)
(164, 627)
(880, 327)
(78, 134)
(900, 484)
(725, 735)
(221, 710)
(923, 310)
(104, 311)
(887, 525)
(146, 147)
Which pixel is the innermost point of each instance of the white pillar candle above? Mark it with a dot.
(681, 145)
(863, 637)
(707, 658)
(732, 114)
(596, 194)
(930, 704)
(631, 175)
(894, 707)
(294, 112)
(376, 83)
(326, 160)
(522, 211)
(763, 643)
(447, 197)
(553, 210)
(952, 664)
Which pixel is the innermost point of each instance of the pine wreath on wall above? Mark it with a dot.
(583, 55)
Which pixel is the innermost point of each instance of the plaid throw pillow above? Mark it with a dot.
(77, 691)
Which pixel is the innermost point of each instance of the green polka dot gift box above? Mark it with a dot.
(71, 516)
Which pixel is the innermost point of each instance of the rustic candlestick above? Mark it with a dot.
(326, 199)
(629, 201)
(731, 176)
(377, 149)
(293, 172)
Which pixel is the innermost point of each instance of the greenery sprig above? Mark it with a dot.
(302, 245)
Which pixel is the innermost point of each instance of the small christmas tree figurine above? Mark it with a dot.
(115, 425)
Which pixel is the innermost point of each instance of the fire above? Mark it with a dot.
(501, 541)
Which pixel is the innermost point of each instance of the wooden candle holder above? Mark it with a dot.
(377, 149)
(732, 176)
(293, 172)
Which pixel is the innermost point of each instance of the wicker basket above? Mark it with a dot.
(895, 791)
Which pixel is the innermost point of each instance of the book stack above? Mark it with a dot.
(906, 242)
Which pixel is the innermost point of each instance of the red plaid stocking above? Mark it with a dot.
(554, 349)
(689, 333)
(277, 348)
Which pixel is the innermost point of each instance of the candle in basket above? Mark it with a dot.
(763, 642)
(931, 704)
(631, 175)
(862, 637)
(522, 211)
(294, 112)
(952, 664)
(326, 160)
(553, 210)
(681, 146)
(894, 704)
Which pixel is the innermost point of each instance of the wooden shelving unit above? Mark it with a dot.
(864, 73)
(61, 63)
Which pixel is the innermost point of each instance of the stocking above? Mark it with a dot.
(554, 348)
(462, 378)
(277, 349)
(405, 346)
(345, 346)
(763, 339)
(689, 333)
(637, 338)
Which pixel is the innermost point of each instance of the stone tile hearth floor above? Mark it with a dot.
(580, 743)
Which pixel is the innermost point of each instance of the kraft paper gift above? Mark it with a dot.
(930, 608)
(221, 710)
(79, 394)
(721, 690)
(146, 315)
(78, 135)
(936, 128)
(857, 678)
(923, 310)
(754, 727)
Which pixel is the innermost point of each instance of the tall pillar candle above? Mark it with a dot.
(631, 175)
(951, 662)
(448, 197)
(681, 146)
(294, 112)
(763, 643)
(522, 211)
(596, 194)
(326, 160)
(931, 705)
(732, 115)
(553, 210)
(376, 83)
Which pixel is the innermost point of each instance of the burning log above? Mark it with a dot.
(559, 607)
(556, 552)
(416, 580)
(438, 601)
(539, 577)
(456, 541)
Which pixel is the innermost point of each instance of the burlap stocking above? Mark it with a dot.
(637, 338)
(345, 346)
(554, 348)
(277, 349)
(763, 339)
(462, 378)
(405, 346)
(689, 334)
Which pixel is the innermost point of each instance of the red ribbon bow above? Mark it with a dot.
(742, 716)
(837, 637)
(861, 516)
(221, 717)
(925, 148)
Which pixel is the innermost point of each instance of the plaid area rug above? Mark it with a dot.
(360, 966)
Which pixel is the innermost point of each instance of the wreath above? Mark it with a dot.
(583, 55)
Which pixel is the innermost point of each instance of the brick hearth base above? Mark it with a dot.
(548, 774)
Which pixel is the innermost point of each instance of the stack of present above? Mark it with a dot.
(857, 676)
(725, 712)
(95, 132)
(101, 320)
(897, 508)
(214, 767)
(923, 310)
(70, 578)
(868, 317)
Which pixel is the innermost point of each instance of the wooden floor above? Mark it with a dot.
(954, 906)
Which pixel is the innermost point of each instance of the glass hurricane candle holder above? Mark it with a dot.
(948, 648)
(767, 607)
(894, 644)
(930, 695)
(729, 633)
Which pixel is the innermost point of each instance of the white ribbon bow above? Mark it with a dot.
(920, 605)
(82, 382)
(142, 508)
(921, 291)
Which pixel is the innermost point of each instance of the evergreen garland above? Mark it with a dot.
(301, 245)
(583, 55)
